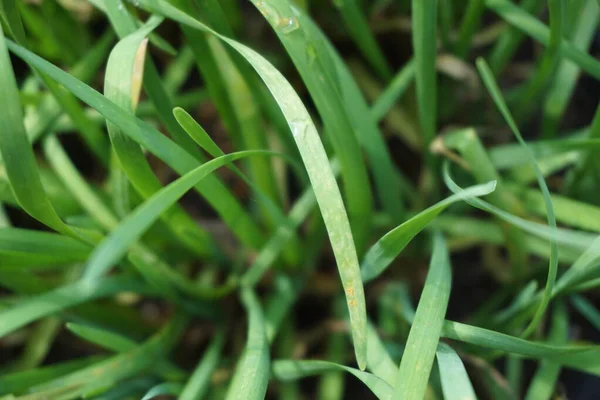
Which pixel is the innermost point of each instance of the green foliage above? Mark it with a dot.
(360, 164)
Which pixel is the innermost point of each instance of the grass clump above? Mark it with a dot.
(217, 199)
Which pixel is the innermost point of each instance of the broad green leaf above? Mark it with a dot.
(292, 370)
(382, 253)
(424, 335)
(456, 384)
(251, 375)
(319, 172)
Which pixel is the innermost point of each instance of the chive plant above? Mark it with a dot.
(218, 199)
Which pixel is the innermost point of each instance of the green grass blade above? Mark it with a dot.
(17, 153)
(490, 83)
(107, 373)
(135, 224)
(292, 370)
(379, 361)
(586, 309)
(163, 389)
(67, 296)
(123, 79)
(20, 382)
(424, 34)
(21, 248)
(424, 335)
(382, 253)
(469, 26)
(318, 73)
(9, 14)
(199, 381)
(546, 377)
(456, 384)
(567, 73)
(319, 172)
(358, 26)
(540, 32)
(508, 43)
(393, 91)
(251, 375)
(176, 157)
(76, 184)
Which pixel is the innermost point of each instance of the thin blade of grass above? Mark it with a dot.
(358, 26)
(424, 334)
(199, 381)
(122, 83)
(292, 370)
(319, 171)
(540, 32)
(251, 375)
(494, 90)
(163, 389)
(21, 248)
(135, 224)
(386, 249)
(176, 157)
(546, 377)
(456, 384)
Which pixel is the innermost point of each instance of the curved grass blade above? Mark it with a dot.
(568, 73)
(177, 158)
(456, 384)
(319, 171)
(359, 29)
(424, 334)
(319, 75)
(199, 381)
(379, 361)
(393, 91)
(19, 382)
(276, 215)
(163, 389)
(122, 84)
(546, 377)
(64, 297)
(508, 43)
(540, 32)
(120, 367)
(135, 224)
(292, 370)
(76, 184)
(382, 253)
(19, 160)
(550, 59)
(251, 375)
(21, 248)
(490, 83)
